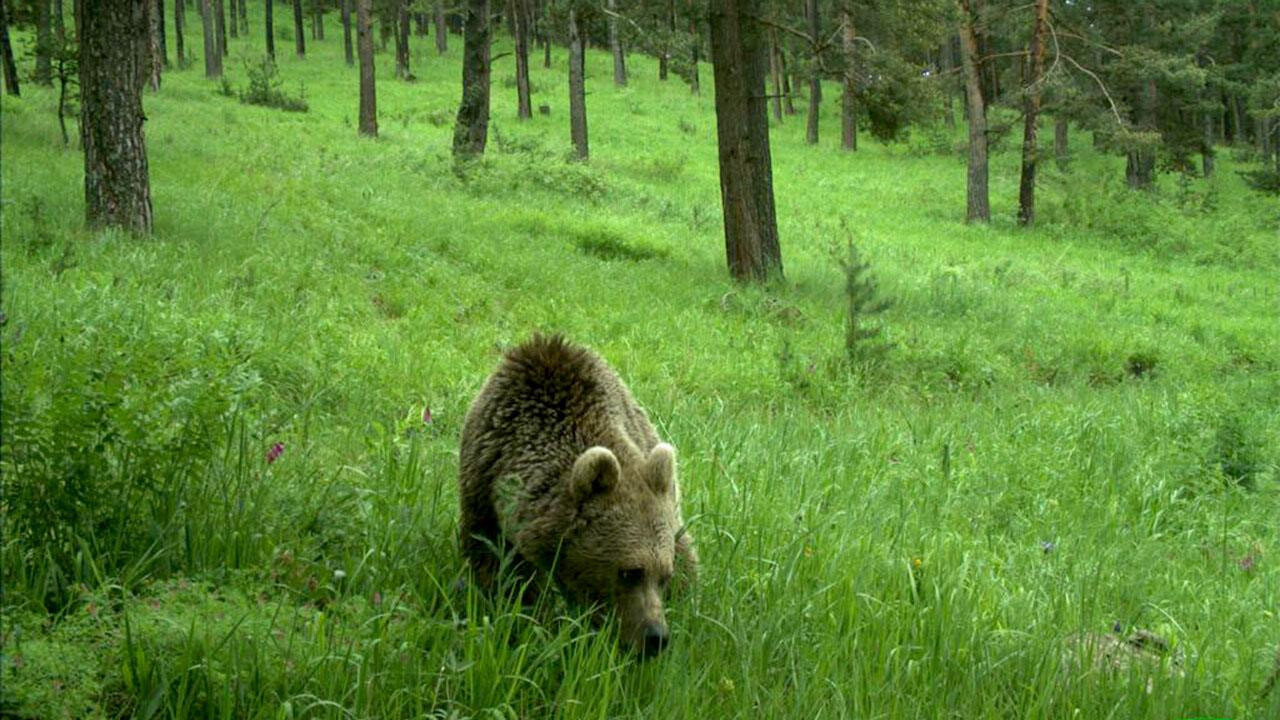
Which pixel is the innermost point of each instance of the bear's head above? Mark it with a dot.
(620, 551)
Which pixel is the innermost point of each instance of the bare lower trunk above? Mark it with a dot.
(619, 62)
(212, 55)
(471, 130)
(117, 187)
(270, 32)
(233, 27)
(848, 105)
(1206, 150)
(10, 67)
(347, 51)
(695, 85)
(317, 22)
(815, 79)
(577, 90)
(299, 37)
(524, 104)
(1140, 163)
(978, 204)
(43, 75)
(948, 58)
(775, 77)
(1031, 118)
(739, 55)
(153, 58)
(788, 104)
(220, 16)
(402, 40)
(442, 32)
(160, 33)
(244, 18)
(179, 19)
(368, 88)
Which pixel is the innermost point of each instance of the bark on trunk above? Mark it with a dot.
(43, 74)
(739, 57)
(788, 104)
(116, 184)
(212, 55)
(244, 18)
(619, 62)
(695, 84)
(163, 41)
(317, 22)
(271, 34)
(233, 26)
(1206, 151)
(775, 76)
(1031, 118)
(153, 57)
(524, 105)
(546, 36)
(815, 78)
(577, 90)
(368, 89)
(948, 57)
(347, 51)
(442, 32)
(221, 25)
(848, 105)
(978, 204)
(299, 36)
(179, 19)
(402, 40)
(472, 128)
(10, 67)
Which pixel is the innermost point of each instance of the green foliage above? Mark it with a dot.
(862, 303)
(266, 88)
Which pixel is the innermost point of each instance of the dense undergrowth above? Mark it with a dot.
(229, 451)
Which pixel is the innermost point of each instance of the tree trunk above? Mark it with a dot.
(788, 105)
(739, 58)
(1061, 146)
(775, 76)
(244, 18)
(368, 90)
(472, 128)
(43, 75)
(695, 85)
(271, 34)
(179, 19)
(212, 56)
(546, 24)
(1206, 150)
(1140, 163)
(59, 27)
(848, 105)
(233, 26)
(299, 37)
(347, 52)
(163, 41)
(619, 63)
(317, 22)
(662, 54)
(577, 90)
(815, 77)
(220, 17)
(1241, 134)
(10, 67)
(978, 204)
(524, 106)
(153, 58)
(1031, 118)
(442, 32)
(117, 189)
(402, 40)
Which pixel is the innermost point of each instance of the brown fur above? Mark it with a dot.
(559, 464)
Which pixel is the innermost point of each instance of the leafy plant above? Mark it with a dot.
(266, 88)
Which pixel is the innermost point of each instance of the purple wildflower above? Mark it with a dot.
(275, 452)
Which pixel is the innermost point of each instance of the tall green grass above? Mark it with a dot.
(1073, 427)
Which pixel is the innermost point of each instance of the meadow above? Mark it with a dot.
(230, 450)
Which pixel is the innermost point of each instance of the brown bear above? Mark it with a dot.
(560, 465)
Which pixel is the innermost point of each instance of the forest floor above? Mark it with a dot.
(230, 450)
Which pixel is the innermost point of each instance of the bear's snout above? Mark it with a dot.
(654, 639)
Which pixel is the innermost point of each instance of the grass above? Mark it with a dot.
(1074, 427)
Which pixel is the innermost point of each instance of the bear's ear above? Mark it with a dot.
(660, 468)
(596, 471)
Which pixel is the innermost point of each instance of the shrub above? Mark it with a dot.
(265, 88)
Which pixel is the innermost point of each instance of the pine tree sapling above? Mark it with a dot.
(862, 302)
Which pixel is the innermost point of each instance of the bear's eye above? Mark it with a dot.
(630, 576)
